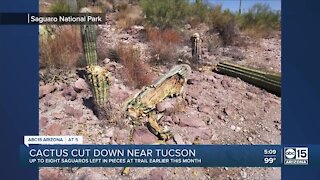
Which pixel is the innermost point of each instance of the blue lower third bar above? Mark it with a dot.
(161, 155)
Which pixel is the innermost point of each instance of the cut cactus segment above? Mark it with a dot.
(266, 80)
(169, 85)
(100, 82)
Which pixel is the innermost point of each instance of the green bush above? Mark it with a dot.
(166, 13)
(174, 13)
(199, 12)
(224, 23)
(260, 19)
(59, 6)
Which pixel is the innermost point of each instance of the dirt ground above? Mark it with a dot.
(218, 109)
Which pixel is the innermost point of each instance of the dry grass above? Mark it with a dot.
(128, 16)
(62, 49)
(136, 73)
(164, 45)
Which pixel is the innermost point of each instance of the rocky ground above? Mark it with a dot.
(217, 109)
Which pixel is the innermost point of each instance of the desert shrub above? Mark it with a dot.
(129, 16)
(135, 72)
(199, 12)
(260, 19)
(164, 45)
(113, 55)
(224, 23)
(62, 49)
(166, 13)
(59, 6)
(105, 6)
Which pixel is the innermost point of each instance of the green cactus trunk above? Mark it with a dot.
(89, 37)
(266, 80)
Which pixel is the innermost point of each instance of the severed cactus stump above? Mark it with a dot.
(196, 47)
(100, 84)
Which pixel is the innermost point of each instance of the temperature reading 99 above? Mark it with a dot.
(269, 160)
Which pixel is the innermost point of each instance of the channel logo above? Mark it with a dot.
(296, 156)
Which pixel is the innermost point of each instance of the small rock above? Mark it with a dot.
(162, 106)
(156, 174)
(233, 127)
(106, 140)
(46, 89)
(143, 136)
(190, 81)
(187, 26)
(243, 174)
(218, 76)
(221, 117)
(175, 119)
(69, 93)
(191, 120)
(225, 83)
(73, 112)
(250, 139)
(111, 67)
(48, 100)
(178, 139)
(106, 61)
(250, 95)
(229, 111)
(109, 132)
(58, 115)
(167, 119)
(235, 53)
(204, 108)
(238, 129)
(43, 121)
(80, 85)
(138, 28)
(54, 130)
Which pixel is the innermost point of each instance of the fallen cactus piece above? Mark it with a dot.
(266, 80)
(169, 85)
(144, 103)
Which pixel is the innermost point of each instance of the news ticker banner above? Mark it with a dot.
(68, 151)
(51, 18)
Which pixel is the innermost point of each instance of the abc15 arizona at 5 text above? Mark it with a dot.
(296, 156)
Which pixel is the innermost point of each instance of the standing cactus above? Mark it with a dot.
(268, 81)
(100, 84)
(88, 34)
(196, 47)
(97, 76)
(100, 81)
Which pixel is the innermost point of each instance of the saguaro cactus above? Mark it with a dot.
(100, 84)
(266, 80)
(97, 76)
(196, 47)
(89, 37)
